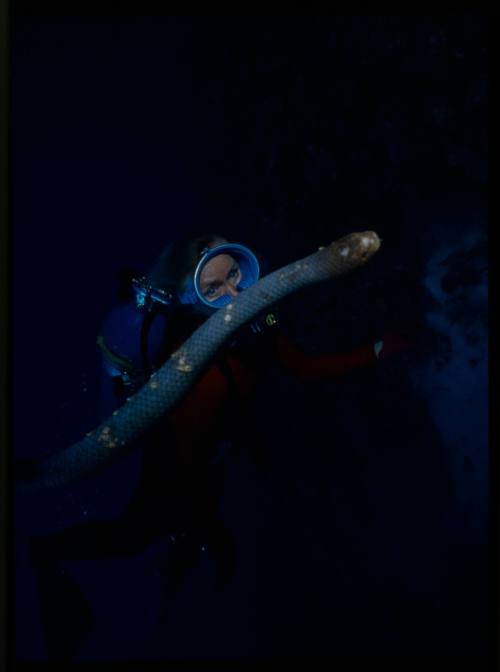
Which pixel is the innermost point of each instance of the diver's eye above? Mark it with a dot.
(211, 291)
(234, 272)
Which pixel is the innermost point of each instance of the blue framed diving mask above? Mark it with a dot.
(249, 268)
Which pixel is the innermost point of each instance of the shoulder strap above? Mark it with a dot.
(130, 375)
(122, 363)
(149, 316)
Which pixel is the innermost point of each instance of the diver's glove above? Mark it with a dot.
(391, 344)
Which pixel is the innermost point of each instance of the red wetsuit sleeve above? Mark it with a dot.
(321, 367)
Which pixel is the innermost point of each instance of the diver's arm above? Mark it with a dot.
(323, 366)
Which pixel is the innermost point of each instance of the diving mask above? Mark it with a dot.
(248, 266)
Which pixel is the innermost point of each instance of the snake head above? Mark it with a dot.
(356, 249)
(345, 254)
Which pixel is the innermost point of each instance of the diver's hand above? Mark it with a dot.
(391, 344)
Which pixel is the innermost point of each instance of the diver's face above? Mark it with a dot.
(221, 275)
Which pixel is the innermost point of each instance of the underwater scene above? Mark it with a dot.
(250, 337)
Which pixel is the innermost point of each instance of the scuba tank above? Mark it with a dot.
(131, 331)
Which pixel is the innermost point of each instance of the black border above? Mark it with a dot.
(5, 373)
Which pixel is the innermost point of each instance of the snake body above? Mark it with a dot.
(167, 387)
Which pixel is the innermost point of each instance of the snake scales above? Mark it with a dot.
(167, 387)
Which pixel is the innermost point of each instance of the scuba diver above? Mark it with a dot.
(183, 457)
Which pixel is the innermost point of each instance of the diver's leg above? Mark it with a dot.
(66, 615)
(217, 538)
(220, 544)
(181, 557)
(186, 549)
(187, 536)
(90, 540)
(203, 531)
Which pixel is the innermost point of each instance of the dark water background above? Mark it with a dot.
(369, 534)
